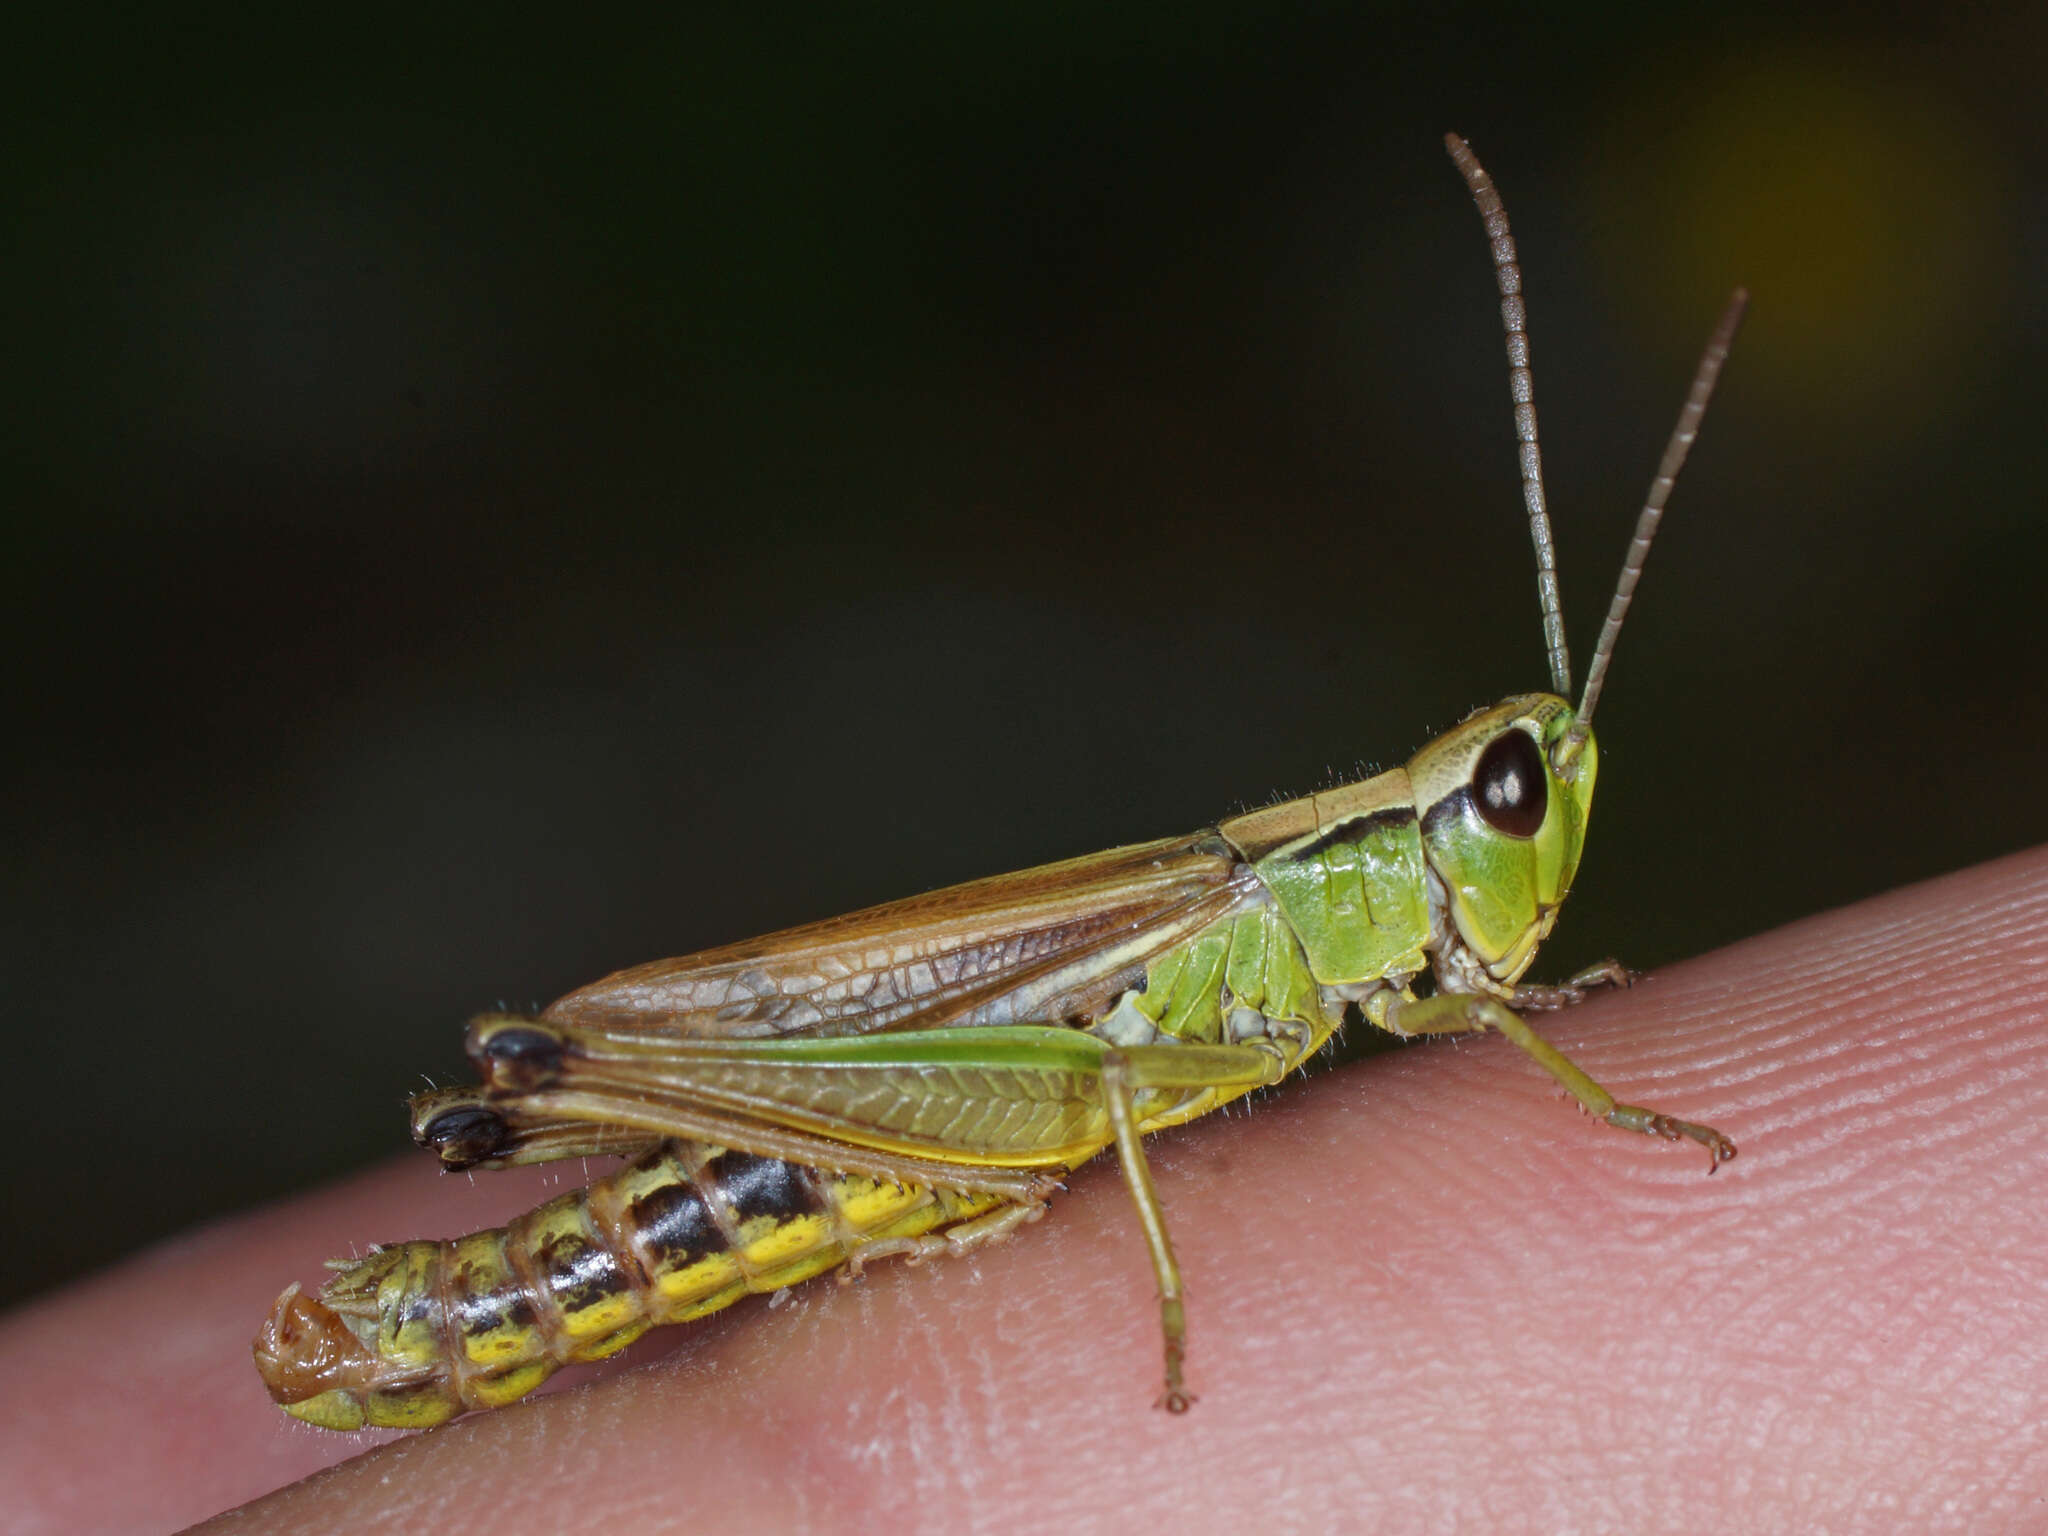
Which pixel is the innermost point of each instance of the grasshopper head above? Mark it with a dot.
(1504, 797)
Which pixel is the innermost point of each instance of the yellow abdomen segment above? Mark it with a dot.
(415, 1334)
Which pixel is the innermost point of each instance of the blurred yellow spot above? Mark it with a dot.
(1869, 219)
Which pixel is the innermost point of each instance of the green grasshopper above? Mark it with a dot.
(916, 1079)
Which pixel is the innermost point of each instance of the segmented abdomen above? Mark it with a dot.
(415, 1334)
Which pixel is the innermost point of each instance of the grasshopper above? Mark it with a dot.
(915, 1080)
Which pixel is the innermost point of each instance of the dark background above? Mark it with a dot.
(486, 508)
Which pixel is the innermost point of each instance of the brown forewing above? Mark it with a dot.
(1044, 944)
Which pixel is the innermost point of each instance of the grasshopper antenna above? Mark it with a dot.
(1514, 320)
(1682, 435)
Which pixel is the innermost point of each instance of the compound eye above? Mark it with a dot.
(1509, 786)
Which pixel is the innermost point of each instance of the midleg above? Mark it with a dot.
(1130, 1151)
(1186, 1067)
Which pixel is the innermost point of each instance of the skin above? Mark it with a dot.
(1425, 1294)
